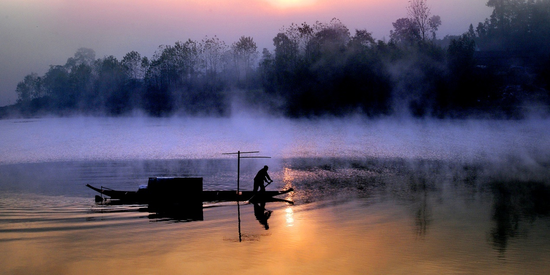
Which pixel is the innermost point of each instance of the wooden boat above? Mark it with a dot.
(128, 196)
(142, 195)
(172, 190)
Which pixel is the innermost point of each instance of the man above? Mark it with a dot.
(260, 178)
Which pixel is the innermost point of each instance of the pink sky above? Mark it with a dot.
(37, 33)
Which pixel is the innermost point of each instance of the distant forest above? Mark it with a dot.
(499, 68)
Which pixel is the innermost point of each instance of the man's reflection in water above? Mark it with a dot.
(262, 215)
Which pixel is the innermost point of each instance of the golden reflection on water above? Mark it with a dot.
(288, 177)
(289, 216)
(338, 238)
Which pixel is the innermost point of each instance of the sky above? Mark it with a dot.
(35, 34)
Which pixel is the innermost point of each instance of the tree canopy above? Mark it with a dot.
(319, 69)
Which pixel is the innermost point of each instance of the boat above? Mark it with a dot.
(183, 190)
(126, 196)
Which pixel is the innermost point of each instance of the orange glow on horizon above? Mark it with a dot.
(291, 4)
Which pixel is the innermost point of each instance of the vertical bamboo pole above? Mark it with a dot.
(238, 171)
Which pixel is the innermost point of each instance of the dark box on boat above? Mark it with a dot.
(176, 195)
(175, 190)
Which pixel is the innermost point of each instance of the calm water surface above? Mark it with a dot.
(371, 197)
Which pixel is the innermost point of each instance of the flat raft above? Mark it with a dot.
(183, 189)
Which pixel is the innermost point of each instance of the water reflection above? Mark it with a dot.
(427, 187)
(516, 204)
(289, 216)
(262, 215)
(422, 187)
(351, 216)
(193, 212)
(185, 214)
(188, 213)
(422, 217)
(156, 212)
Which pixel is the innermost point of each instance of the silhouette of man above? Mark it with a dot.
(260, 178)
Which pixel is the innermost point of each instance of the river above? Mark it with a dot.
(371, 196)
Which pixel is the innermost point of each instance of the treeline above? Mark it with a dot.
(188, 77)
(495, 69)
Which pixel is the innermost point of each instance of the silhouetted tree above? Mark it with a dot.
(30, 88)
(362, 38)
(134, 65)
(516, 25)
(245, 53)
(319, 69)
(464, 88)
(212, 50)
(405, 31)
(81, 78)
(420, 14)
(57, 86)
(110, 86)
(329, 40)
(83, 56)
(160, 78)
(417, 26)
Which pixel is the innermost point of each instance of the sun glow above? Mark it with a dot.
(288, 4)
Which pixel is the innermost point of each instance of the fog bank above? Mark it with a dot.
(87, 138)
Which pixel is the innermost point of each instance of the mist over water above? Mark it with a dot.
(141, 138)
(44, 154)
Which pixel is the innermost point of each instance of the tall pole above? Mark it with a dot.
(238, 171)
(239, 211)
(238, 153)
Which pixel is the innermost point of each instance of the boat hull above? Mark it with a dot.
(144, 196)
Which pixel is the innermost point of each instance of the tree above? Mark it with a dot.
(212, 50)
(301, 35)
(286, 52)
(82, 56)
(471, 33)
(460, 55)
(109, 86)
(57, 86)
(420, 14)
(160, 78)
(516, 25)
(405, 31)
(329, 39)
(81, 78)
(433, 23)
(362, 38)
(187, 60)
(267, 70)
(174, 66)
(30, 88)
(481, 29)
(503, 11)
(134, 65)
(245, 53)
